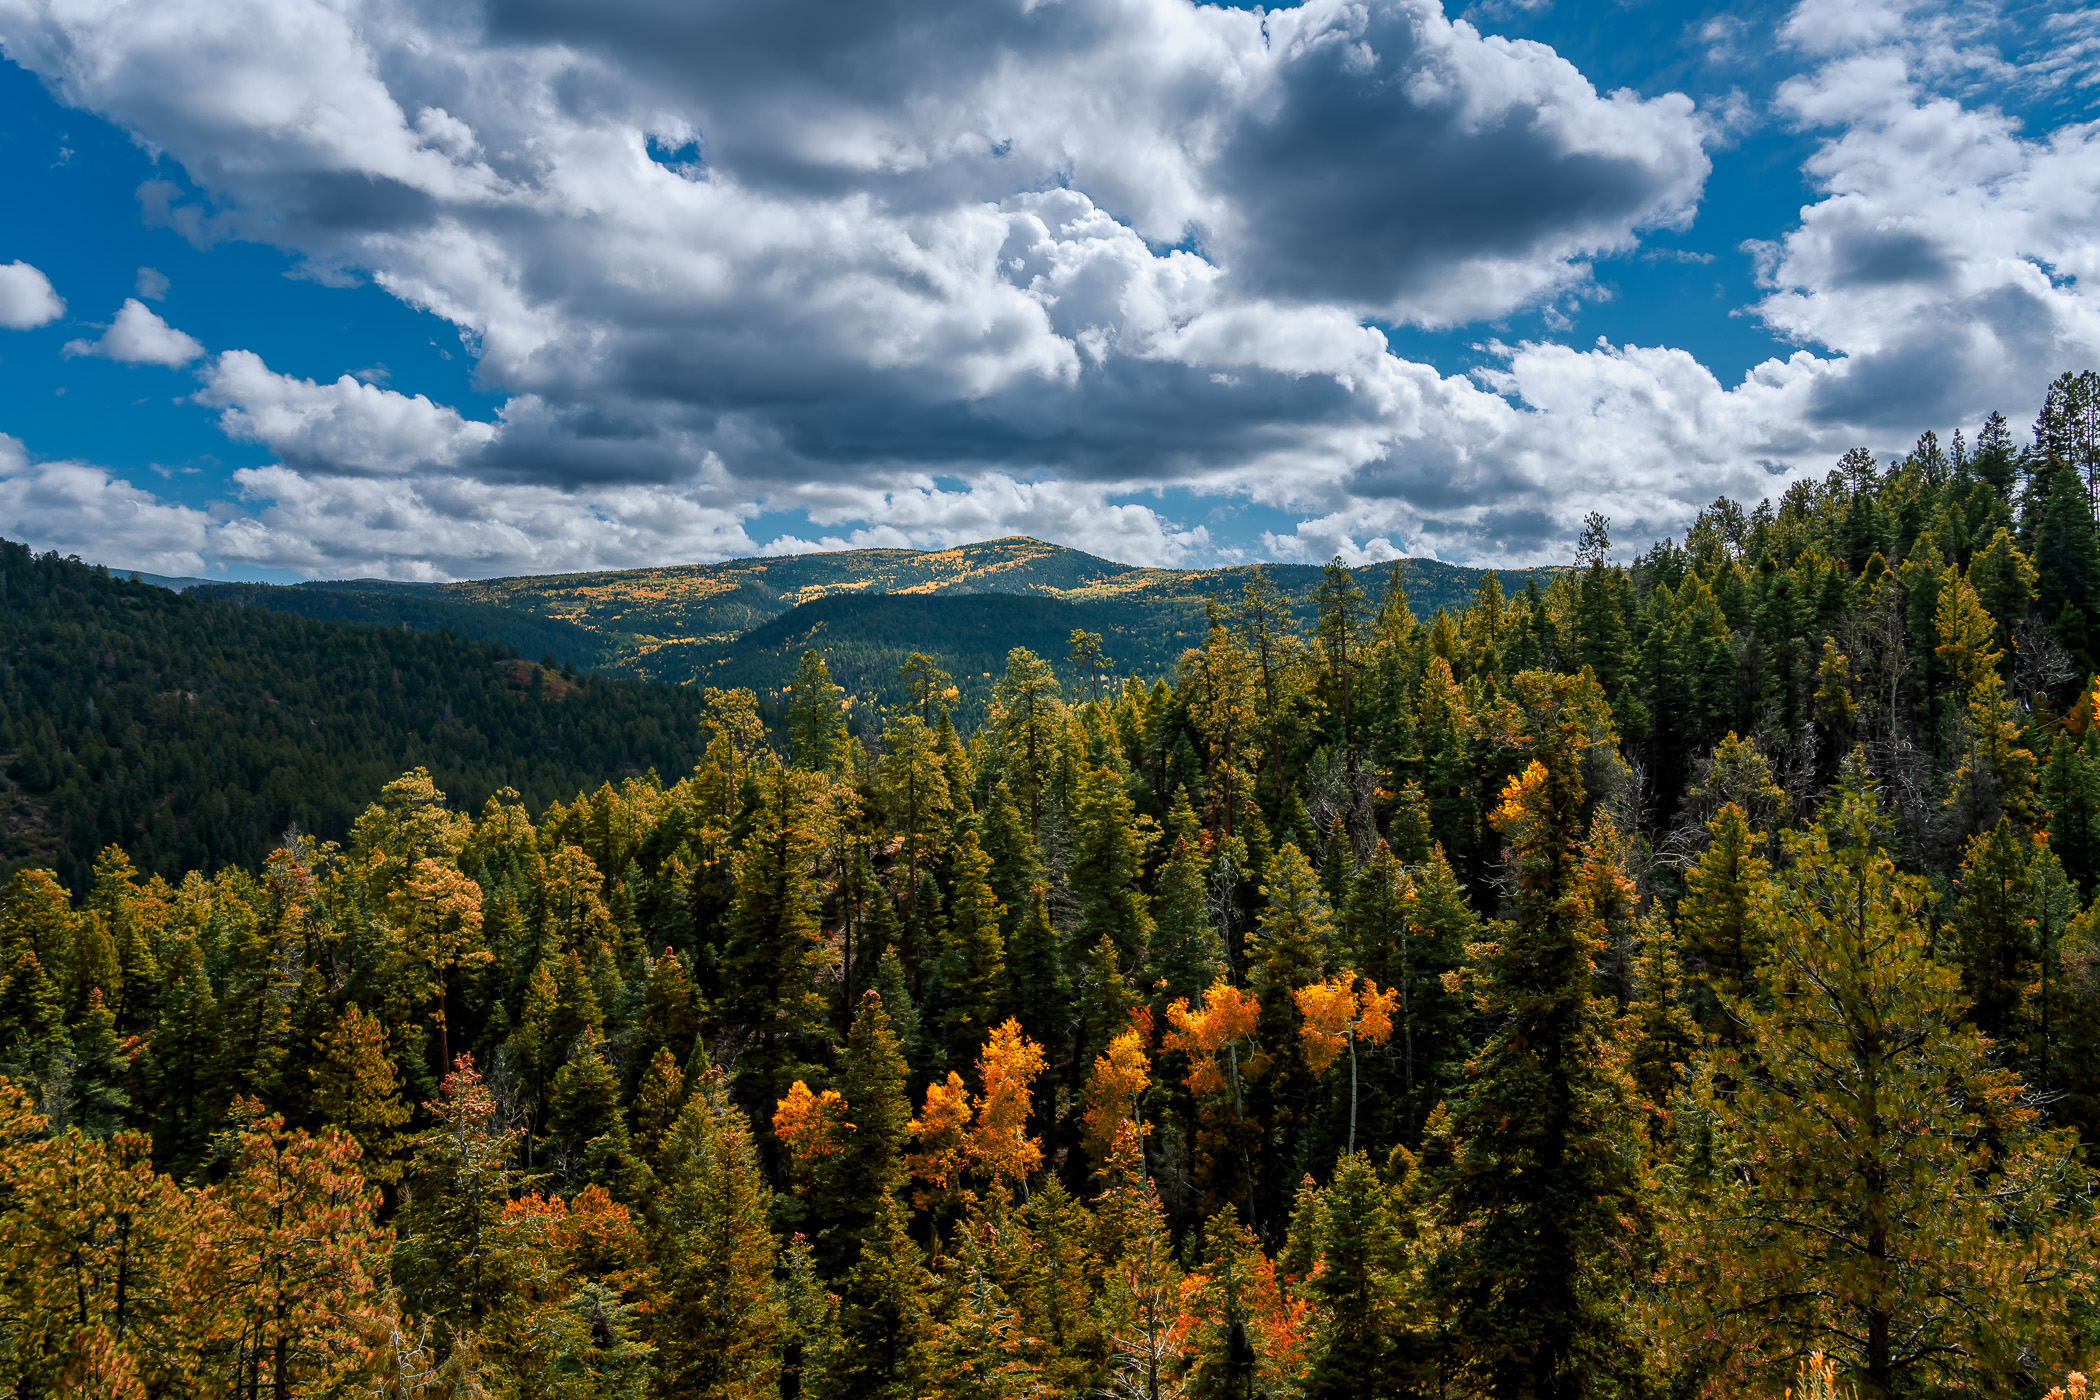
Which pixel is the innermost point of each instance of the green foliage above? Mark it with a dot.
(195, 733)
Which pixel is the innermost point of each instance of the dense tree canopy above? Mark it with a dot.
(1682, 979)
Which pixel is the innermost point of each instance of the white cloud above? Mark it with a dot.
(930, 270)
(152, 284)
(138, 336)
(79, 509)
(346, 427)
(909, 239)
(26, 298)
(442, 526)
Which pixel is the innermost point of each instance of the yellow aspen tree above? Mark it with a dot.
(1336, 1015)
(1113, 1086)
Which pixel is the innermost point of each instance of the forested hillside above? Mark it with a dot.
(196, 733)
(421, 609)
(1679, 979)
(691, 622)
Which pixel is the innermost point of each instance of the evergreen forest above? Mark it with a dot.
(1676, 978)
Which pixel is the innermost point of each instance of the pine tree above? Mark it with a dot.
(1661, 1036)
(1450, 779)
(973, 967)
(883, 1319)
(98, 1251)
(1108, 857)
(715, 1319)
(284, 1286)
(357, 1088)
(585, 1107)
(2070, 796)
(1873, 1227)
(1362, 1344)
(1035, 963)
(855, 1185)
(1142, 1318)
(1016, 866)
(817, 733)
(101, 1102)
(1241, 1343)
(453, 1263)
(775, 942)
(185, 1064)
(435, 913)
(977, 1349)
(1536, 1186)
(1407, 934)
(1030, 719)
(1184, 955)
(914, 789)
(1717, 924)
(657, 1104)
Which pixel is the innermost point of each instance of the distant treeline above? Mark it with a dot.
(397, 605)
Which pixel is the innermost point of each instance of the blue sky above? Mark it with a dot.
(657, 283)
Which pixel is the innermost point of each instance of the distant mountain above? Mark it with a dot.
(174, 582)
(710, 622)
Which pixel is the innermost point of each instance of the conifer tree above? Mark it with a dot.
(96, 1244)
(973, 967)
(185, 1063)
(1407, 934)
(283, 1288)
(1035, 963)
(715, 1318)
(1361, 1343)
(884, 1316)
(33, 1039)
(1030, 719)
(357, 1088)
(1717, 925)
(854, 1185)
(775, 942)
(1048, 1265)
(1143, 1323)
(1873, 1228)
(1016, 865)
(1107, 859)
(657, 1104)
(895, 991)
(1184, 955)
(1533, 1270)
(100, 1101)
(1242, 1347)
(435, 912)
(914, 788)
(925, 933)
(1661, 1036)
(585, 1108)
(817, 734)
(453, 1263)
(1449, 777)
(2070, 797)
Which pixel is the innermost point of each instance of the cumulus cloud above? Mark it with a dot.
(1951, 259)
(138, 336)
(932, 269)
(26, 298)
(347, 427)
(76, 508)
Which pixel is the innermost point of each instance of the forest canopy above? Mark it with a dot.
(1677, 978)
